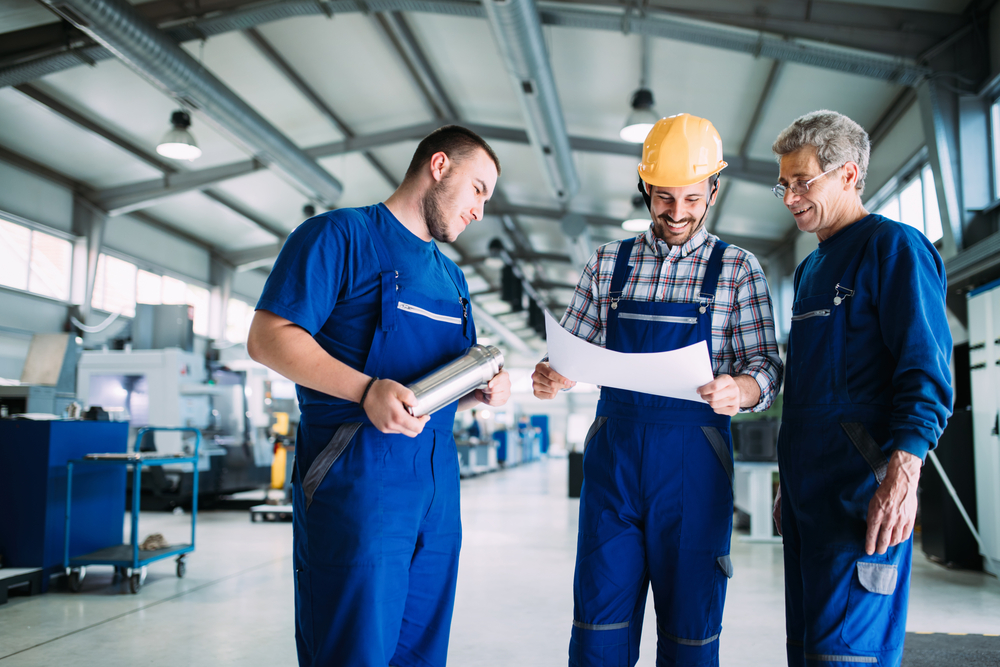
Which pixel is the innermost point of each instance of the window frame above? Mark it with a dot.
(33, 226)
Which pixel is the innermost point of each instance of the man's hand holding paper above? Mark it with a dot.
(676, 374)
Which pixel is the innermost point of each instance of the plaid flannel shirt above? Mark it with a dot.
(743, 340)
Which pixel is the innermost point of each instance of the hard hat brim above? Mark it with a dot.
(664, 183)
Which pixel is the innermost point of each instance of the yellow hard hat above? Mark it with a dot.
(681, 150)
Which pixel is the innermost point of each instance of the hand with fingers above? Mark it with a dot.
(546, 383)
(893, 509)
(722, 394)
(497, 391)
(385, 404)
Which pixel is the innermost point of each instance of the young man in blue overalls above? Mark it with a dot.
(359, 303)
(656, 505)
(867, 395)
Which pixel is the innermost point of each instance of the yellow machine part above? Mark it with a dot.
(280, 423)
(278, 468)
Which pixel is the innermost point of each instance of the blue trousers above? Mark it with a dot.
(842, 606)
(376, 553)
(656, 508)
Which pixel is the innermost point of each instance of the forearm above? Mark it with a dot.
(749, 391)
(294, 353)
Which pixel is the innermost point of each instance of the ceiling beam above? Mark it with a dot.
(763, 100)
(130, 197)
(891, 30)
(293, 77)
(160, 59)
(85, 123)
(41, 53)
(396, 30)
(106, 133)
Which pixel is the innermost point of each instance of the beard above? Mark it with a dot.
(435, 201)
(661, 228)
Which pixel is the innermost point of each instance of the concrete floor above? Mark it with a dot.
(514, 604)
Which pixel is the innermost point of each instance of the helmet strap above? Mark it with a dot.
(645, 194)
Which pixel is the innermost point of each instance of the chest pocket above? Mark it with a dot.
(429, 314)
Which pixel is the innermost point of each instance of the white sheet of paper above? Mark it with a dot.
(675, 374)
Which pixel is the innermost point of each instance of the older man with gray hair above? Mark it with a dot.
(867, 394)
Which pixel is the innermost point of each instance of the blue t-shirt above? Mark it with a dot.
(898, 340)
(327, 280)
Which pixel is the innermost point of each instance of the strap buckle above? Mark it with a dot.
(705, 300)
(838, 299)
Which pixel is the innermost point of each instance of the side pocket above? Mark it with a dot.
(725, 564)
(722, 451)
(594, 428)
(322, 463)
(868, 448)
(870, 624)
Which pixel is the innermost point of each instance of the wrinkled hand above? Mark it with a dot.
(546, 383)
(497, 391)
(776, 512)
(723, 395)
(893, 509)
(386, 408)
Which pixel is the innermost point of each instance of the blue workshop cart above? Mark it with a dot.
(126, 558)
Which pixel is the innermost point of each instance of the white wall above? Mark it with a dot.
(132, 237)
(51, 204)
(249, 285)
(35, 198)
(899, 145)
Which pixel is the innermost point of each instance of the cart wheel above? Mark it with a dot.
(76, 576)
(135, 582)
(181, 568)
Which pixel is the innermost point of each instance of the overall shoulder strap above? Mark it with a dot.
(711, 280)
(387, 274)
(621, 273)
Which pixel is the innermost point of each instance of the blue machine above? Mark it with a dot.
(33, 457)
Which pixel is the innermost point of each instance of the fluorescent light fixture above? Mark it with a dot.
(178, 143)
(641, 119)
(638, 219)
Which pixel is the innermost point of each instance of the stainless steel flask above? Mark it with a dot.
(455, 379)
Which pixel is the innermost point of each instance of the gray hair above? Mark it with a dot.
(837, 140)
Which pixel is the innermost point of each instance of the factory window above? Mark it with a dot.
(148, 288)
(114, 287)
(239, 314)
(34, 261)
(156, 289)
(916, 204)
(200, 298)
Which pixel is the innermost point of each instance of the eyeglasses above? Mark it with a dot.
(799, 188)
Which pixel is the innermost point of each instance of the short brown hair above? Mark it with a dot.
(455, 141)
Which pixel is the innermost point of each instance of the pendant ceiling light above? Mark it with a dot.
(638, 219)
(178, 143)
(643, 116)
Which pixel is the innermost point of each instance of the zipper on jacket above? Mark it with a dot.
(670, 319)
(426, 313)
(825, 312)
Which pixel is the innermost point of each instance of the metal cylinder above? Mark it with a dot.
(455, 379)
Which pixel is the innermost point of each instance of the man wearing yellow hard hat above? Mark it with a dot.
(657, 502)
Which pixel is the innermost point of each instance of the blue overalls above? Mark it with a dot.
(842, 606)
(656, 505)
(376, 517)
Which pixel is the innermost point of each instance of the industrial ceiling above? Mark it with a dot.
(322, 102)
